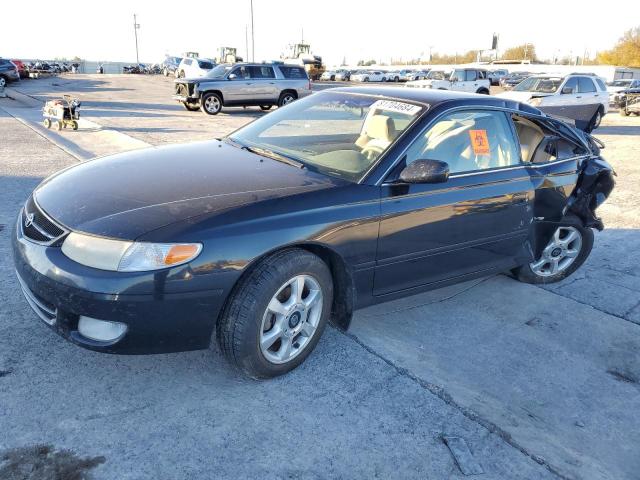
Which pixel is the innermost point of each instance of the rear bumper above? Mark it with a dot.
(59, 292)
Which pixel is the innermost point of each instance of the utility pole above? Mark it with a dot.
(246, 41)
(253, 38)
(136, 26)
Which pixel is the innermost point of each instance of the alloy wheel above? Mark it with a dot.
(287, 99)
(560, 252)
(291, 319)
(212, 104)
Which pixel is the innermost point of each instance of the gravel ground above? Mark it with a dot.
(539, 382)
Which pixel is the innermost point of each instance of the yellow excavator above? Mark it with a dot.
(300, 54)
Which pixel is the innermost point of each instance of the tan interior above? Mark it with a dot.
(530, 136)
(378, 132)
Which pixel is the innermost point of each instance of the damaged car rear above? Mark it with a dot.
(343, 199)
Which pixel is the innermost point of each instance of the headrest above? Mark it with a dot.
(381, 127)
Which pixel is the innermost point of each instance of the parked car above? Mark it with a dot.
(194, 67)
(514, 78)
(333, 75)
(346, 198)
(369, 76)
(22, 69)
(133, 69)
(580, 97)
(628, 101)
(495, 76)
(417, 75)
(8, 72)
(243, 84)
(473, 80)
(617, 87)
(343, 75)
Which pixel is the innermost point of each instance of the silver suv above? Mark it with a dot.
(243, 84)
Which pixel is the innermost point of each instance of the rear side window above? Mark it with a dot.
(293, 72)
(540, 145)
(468, 141)
(585, 85)
(205, 65)
(261, 72)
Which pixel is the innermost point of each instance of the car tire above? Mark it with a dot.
(192, 107)
(596, 120)
(396, 79)
(264, 108)
(3, 81)
(181, 74)
(246, 331)
(286, 98)
(555, 253)
(483, 91)
(332, 78)
(211, 103)
(366, 79)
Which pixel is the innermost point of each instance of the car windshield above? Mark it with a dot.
(336, 133)
(218, 71)
(539, 85)
(435, 75)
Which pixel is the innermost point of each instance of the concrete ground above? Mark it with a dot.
(538, 382)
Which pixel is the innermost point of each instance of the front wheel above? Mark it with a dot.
(566, 251)
(47, 123)
(211, 103)
(276, 314)
(192, 107)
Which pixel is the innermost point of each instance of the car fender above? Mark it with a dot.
(595, 183)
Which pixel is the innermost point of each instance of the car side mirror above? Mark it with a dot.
(425, 171)
(233, 76)
(567, 90)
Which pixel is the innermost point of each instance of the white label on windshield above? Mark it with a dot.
(398, 107)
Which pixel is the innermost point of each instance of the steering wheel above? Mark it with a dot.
(371, 152)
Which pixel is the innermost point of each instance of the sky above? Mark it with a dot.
(336, 29)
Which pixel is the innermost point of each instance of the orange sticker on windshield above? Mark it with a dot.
(479, 142)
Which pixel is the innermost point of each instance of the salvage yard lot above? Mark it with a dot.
(539, 382)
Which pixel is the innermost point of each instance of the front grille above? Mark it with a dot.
(43, 309)
(37, 227)
(183, 89)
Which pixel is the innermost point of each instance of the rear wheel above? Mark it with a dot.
(566, 251)
(276, 315)
(74, 125)
(3, 81)
(286, 98)
(47, 123)
(483, 91)
(211, 103)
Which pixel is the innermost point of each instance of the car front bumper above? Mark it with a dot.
(60, 290)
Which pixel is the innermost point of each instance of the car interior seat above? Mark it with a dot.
(377, 133)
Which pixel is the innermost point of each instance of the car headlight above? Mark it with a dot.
(125, 256)
(535, 102)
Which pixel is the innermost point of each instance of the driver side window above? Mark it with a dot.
(468, 141)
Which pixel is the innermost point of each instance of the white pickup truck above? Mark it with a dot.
(472, 80)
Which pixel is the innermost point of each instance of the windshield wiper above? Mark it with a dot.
(275, 156)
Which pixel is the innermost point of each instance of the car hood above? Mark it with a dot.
(130, 194)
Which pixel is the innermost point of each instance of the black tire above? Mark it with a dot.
(74, 125)
(396, 79)
(525, 274)
(286, 98)
(483, 91)
(332, 78)
(366, 79)
(211, 103)
(596, 120)
(192, 107)
(264, 108)
(59, 125)
(47, 123)
(240, 325)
